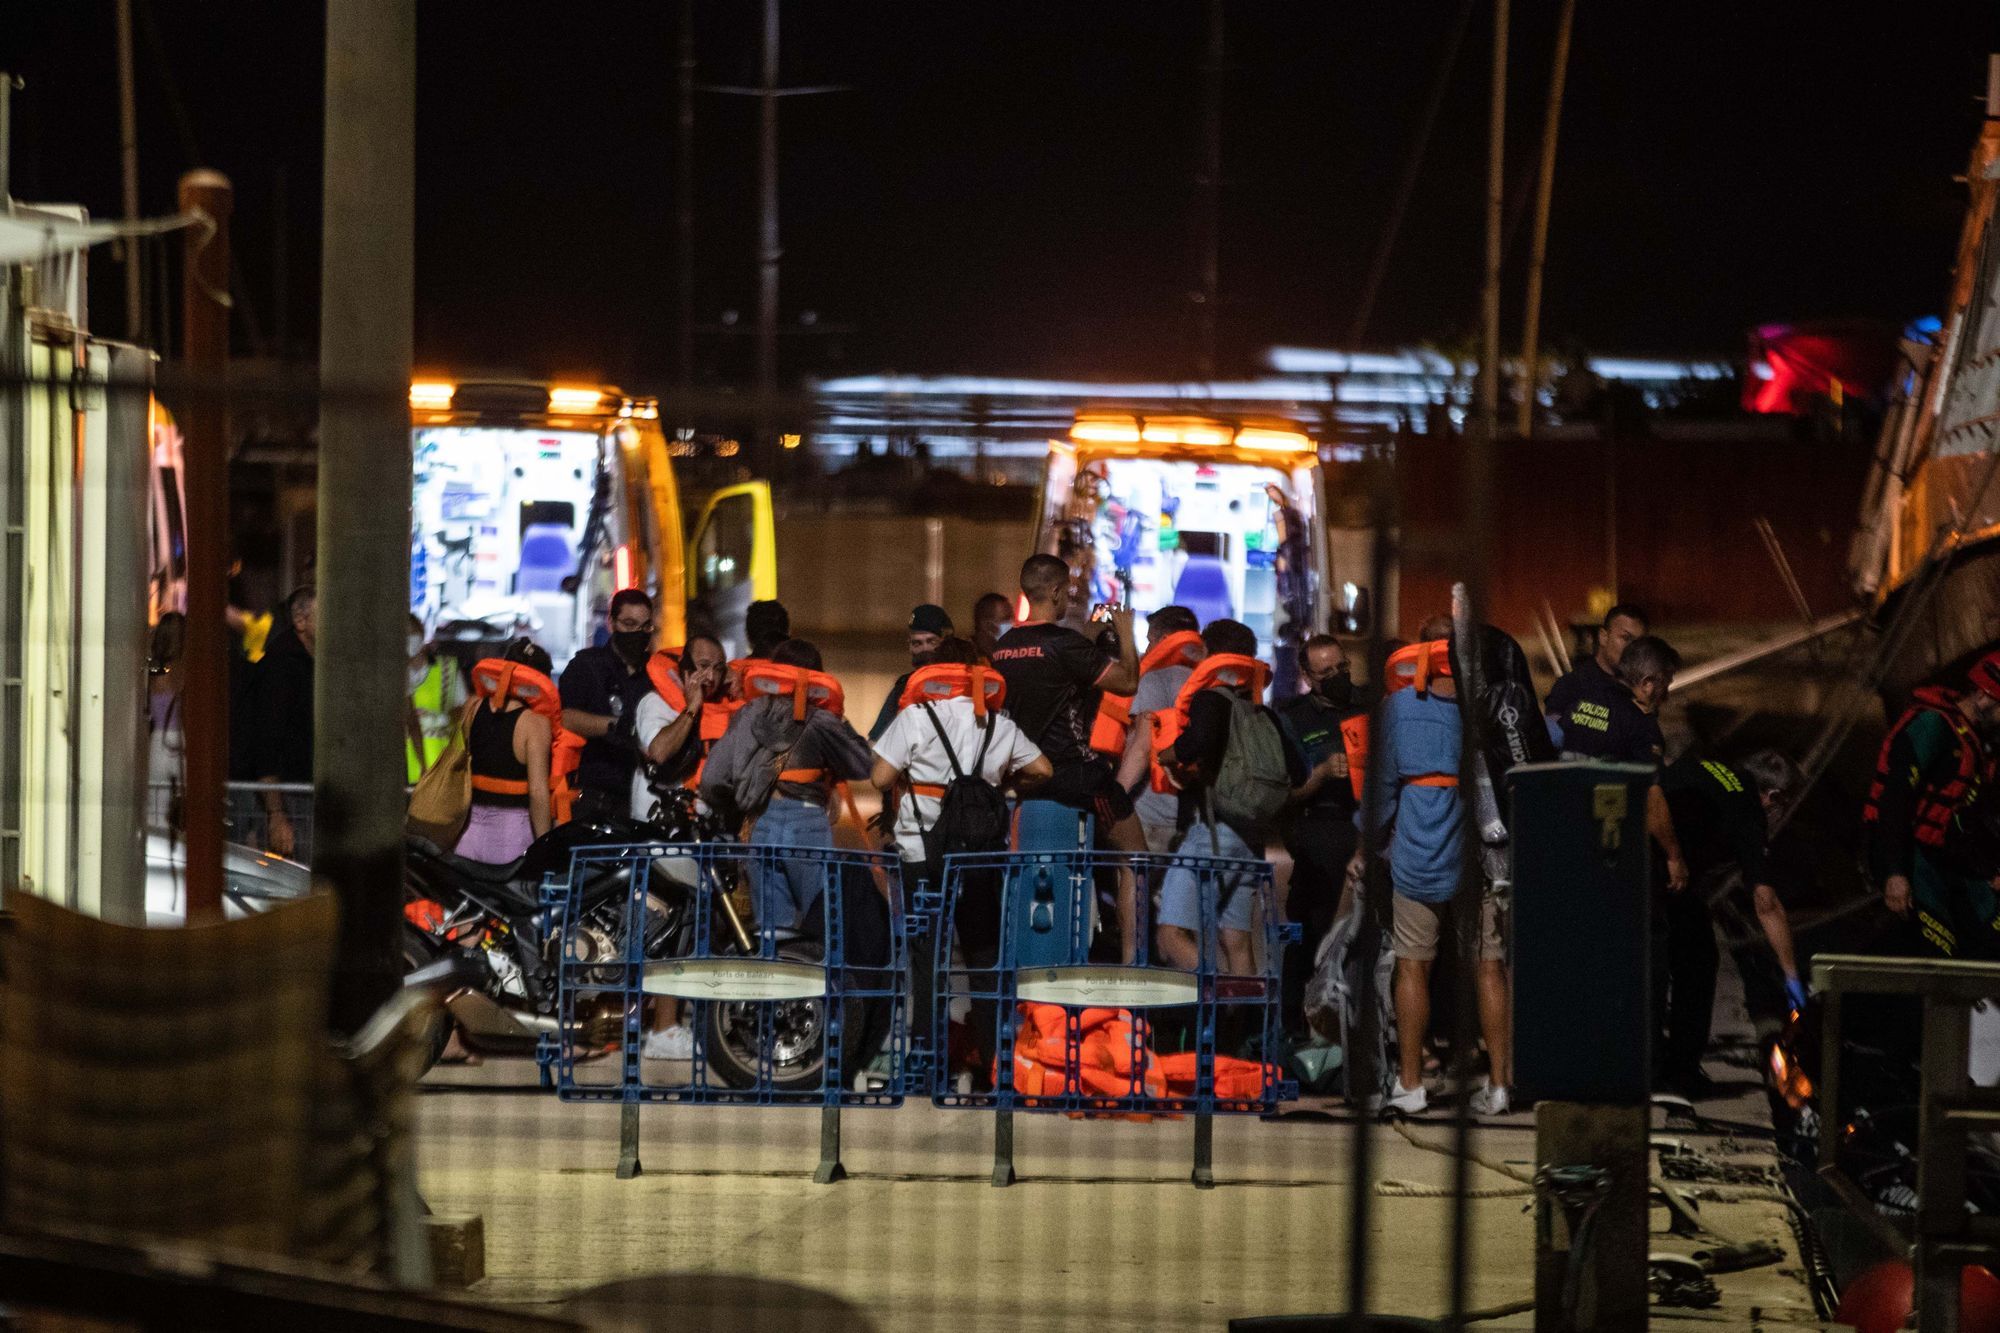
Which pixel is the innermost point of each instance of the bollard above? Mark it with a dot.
(1582, 928)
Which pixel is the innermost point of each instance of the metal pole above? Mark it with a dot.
(204, 427)
(1478, 528)
(768, 253)
(364, 489)
(8, 83)
(1544, 194)
(128, 152)
(205, 699)
(684, 208)
(1208, 192)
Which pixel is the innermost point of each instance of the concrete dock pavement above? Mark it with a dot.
(1103, 1231)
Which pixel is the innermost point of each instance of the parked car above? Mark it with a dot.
(251, 880)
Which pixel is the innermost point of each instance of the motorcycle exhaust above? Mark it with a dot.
(482, 1018)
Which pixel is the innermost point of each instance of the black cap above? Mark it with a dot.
(928, 619)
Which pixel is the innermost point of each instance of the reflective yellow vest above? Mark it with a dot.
(436, 700)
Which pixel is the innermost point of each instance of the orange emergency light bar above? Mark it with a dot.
(432, 395)
(1123, 428)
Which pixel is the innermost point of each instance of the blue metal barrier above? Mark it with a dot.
(779, 1017)
(1049, 952)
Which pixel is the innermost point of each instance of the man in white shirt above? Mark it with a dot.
(912, 768)
(670, 737)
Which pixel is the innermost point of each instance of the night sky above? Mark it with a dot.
(1009, 187)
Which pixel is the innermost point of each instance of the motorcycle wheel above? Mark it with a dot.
(417, 951)
(798, 1034)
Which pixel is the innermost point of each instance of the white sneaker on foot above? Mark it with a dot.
(1408, 1101)
(674, 1043)
(1492, 1100)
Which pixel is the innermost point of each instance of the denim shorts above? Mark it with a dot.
(1182, 889)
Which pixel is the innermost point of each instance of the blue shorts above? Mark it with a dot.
(1182, 889)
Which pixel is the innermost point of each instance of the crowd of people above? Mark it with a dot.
(1068, 707)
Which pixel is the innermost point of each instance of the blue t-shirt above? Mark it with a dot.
(1416, 734)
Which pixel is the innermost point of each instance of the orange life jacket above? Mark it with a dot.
(1236, 1080)
(496, 678)
(1114, 711)
(948, 680)
(1354, 740)
(814, 689)
(1937, 802)
(1217, 669)
(1418, 663)
(1113, 1057)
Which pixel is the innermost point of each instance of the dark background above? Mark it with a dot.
(1009, 187)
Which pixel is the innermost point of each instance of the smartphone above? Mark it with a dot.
(1101, 613)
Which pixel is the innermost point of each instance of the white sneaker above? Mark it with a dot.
(1492, 1100)
(675, 1043)
(1408, 1101)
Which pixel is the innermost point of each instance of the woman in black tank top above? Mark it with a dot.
(510, 748)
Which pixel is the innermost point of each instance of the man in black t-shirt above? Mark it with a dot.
(601, 688)
(1054, 679)
(1622, 624)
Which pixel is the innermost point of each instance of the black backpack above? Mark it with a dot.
(972, 813)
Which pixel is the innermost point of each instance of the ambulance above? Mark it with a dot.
(1223, 516)
(533, 503)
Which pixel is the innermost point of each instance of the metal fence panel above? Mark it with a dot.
(778, 1017)
(1047, 939)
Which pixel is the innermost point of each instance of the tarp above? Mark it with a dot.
(26, 237)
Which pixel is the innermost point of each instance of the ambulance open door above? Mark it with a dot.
(732, 561)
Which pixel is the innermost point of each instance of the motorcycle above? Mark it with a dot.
(483, 932)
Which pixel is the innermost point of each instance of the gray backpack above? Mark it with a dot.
(1253, 783)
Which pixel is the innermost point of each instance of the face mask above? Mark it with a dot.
(1004, 627)
(1337, 688)
(921, 660)
(632, 643)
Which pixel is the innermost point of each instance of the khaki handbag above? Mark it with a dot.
(442, 799)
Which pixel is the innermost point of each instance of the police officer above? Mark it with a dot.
(1721, 814)
(1933, 766)
(1622, 624)
(601, 689)
(1319, 829)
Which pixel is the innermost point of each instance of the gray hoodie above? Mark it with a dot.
(741, 774)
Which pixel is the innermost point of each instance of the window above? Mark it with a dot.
(722, 555)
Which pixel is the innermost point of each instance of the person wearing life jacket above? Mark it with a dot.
(778, 765)
(437, 696)
(1329, 723)
(1173, 650)
(1934, 764)
(672, 723)
(512, 747)
(1417, 819)
(951, 726)
(1232, 808)
(766, 624)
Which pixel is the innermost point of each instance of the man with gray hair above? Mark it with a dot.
(1616, 719)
